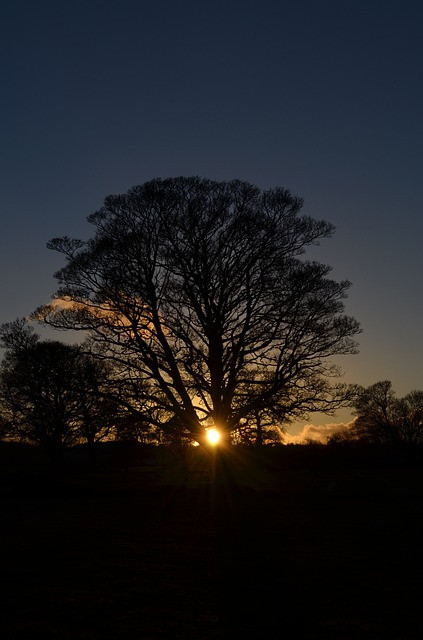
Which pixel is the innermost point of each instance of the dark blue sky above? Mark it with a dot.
(324, 98)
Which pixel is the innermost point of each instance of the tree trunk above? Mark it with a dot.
(259, 436)
(224, 472)
(91, 452)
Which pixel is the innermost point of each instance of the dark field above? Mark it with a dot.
(299, 549)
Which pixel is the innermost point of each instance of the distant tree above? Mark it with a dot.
(50, 390)
(132, 428)
(409, 418)
(200, 290)
(384, 419)
(260, 428)
(374, 407)
(96, 409)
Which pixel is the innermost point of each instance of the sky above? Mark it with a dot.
(322, 98)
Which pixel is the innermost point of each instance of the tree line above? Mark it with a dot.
(198, 308)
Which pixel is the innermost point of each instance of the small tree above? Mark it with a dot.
(51, 391)
(374, 408)
(384, 419)
(98, 408)
(409, 418)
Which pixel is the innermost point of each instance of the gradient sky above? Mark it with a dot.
(323, 98)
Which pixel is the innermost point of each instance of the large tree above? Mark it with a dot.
(200, 290)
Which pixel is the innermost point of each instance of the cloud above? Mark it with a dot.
(317, 433)
(108, 312)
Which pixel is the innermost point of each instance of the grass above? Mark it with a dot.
(109, 555)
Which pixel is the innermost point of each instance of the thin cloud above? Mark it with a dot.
(317, 433)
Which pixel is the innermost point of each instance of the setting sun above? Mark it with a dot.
(213, 436)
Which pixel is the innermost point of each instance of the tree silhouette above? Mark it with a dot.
(409, 418)
(384, 419)
(50, 391)
(200, 290)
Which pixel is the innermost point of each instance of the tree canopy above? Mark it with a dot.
(51, 393)
(200, 292)
(382, 418)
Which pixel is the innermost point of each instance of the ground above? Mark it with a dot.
(306, 553)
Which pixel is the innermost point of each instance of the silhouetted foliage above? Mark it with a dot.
(131, 427)
(199, 289)
(409, 418)
(261, 427)
(52, 393)
(383, 419)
